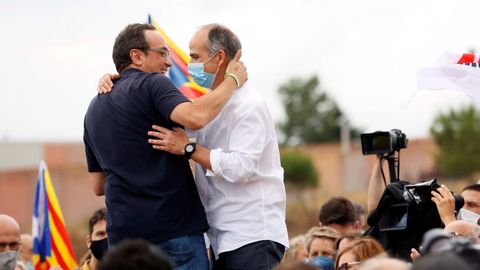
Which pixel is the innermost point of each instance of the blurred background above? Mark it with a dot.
(328, 70)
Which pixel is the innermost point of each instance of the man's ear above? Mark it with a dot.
(222, 57)
(136, 56)
(320, 224)
(88, 241)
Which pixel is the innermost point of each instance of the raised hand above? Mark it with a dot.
(237, 68)
(445, 202)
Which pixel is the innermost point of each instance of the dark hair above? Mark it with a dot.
(136, 254)
(131, 37)
(473, 187)
(100, 214)
(337, 210)
(222, 38)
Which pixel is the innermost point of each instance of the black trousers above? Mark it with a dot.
(261, 255)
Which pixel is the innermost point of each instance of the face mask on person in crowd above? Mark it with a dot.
(99, 248)
(8, 260)
(324, 262)
(467, 215)
(29, 265)
(199, 75)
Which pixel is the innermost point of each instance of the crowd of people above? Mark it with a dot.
(140, 137)
(340, 241)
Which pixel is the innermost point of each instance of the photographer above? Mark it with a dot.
(442, 197)
(401, 212)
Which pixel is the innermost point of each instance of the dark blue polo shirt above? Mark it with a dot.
(149, 194)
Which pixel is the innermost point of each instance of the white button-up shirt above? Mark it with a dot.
(244, 194)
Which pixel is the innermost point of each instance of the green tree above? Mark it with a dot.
(312, 116)
(457, 134)
(298, 168)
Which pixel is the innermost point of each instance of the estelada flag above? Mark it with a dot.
(178, 73)
(51, 244)
(454, 71)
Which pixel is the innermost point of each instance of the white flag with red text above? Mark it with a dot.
(454, 71)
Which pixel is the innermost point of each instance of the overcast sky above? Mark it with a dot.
(366, 54)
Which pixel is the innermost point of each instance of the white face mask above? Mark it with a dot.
(8, 260)
(466, 215)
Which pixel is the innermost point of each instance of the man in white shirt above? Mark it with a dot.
(238, 172)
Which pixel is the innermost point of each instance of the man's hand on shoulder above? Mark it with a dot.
(105, 83)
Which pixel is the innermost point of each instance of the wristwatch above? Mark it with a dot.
(190, 149)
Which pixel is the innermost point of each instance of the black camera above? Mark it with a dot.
(383, 142)
(421, 193)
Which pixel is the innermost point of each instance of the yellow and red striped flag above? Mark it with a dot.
(51, 244)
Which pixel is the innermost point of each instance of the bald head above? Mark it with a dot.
(8, 225)
(464, 228)
(9, 232)
(383, 263)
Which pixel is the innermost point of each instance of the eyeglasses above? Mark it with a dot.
(163, 51)
(13, 245)
(346, 265)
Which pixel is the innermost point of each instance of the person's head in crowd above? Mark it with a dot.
(360, 217)
(140, 46)
(471, 208)
(383, 263)
(321, 241)
(441, 261)
(338, 213)
(26, 250)
(136, 254)
(346, 238)
(10, 242)
(297, 250)
(357, 251)
(464, 229)
(96, 239)
(296, 266)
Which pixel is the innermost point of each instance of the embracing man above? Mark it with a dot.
(150, 194)
(238, 172)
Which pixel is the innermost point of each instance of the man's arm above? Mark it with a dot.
(98, 182)
(376, 186)
(174, 141)
(247, 143)
(198, 113)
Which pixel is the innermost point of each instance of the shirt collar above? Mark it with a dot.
(129, 71)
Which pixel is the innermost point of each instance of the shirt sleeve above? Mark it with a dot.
(165, 95)
(247, 142)
(92, 163)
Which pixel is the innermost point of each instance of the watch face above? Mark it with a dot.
(189, 148)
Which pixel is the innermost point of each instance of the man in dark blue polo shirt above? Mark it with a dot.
(150, 194)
